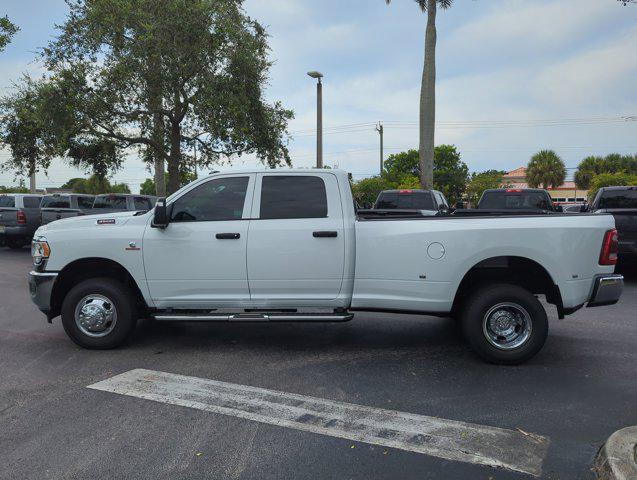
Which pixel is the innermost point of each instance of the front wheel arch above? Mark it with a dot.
(85, 269)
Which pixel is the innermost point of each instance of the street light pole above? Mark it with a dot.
(319, 117)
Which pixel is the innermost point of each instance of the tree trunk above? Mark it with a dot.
(174, 160)
(428, 101)
(155, 104)
(32, 187)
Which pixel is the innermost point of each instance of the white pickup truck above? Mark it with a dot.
(290, 245)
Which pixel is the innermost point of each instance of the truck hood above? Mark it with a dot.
(88, 221)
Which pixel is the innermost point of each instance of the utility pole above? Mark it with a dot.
(319, 117)
(380, 129)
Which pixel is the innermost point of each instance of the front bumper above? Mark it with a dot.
(606, 290)
(40, 287)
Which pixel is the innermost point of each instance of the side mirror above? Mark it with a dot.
(160, 219)
(584, 209)
(559, 208)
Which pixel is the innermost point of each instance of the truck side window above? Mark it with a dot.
(142, 203)
(31, 202)
(293, 196)
(85, 202)
(216, 200)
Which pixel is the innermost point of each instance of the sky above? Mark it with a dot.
(514, 77)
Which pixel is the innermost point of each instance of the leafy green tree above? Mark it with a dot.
(611, 180)
(162, 75)
(595, 165)
(428, 92)
(546, 169)
(99, 157)
(450, 172)
(366, 191)
(24, 130)
(77, 185)
(479, 182)
(148, 186)
(4, 189)
(7, 31)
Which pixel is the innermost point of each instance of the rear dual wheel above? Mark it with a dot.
(504, 324)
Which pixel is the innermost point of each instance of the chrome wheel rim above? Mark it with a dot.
(507, 326)
(95, 315)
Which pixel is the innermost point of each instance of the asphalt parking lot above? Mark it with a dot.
(577, 391)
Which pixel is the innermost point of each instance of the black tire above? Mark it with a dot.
(119, 298)
(16, 243)
(475, 325)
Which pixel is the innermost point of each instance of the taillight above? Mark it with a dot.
(22, 218)
(610, 248)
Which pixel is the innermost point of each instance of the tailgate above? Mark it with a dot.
(51, 214)
(625, 220)
(8, 217)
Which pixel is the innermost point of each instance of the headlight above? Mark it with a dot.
(40, 250)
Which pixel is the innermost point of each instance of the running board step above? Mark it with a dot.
(255, 317)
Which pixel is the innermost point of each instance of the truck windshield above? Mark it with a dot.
(405, 201)
(6, 201)
(113, 202)
(515, 201)
(55, 202)
(619, 199)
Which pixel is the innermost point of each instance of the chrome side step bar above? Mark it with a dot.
(255, 317)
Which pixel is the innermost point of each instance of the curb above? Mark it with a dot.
(617, 459)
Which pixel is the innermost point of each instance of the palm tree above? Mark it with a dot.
(428, 92)
(546, 169)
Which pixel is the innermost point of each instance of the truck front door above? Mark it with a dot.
(199, 260)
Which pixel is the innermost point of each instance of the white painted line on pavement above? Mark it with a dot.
(448, 439)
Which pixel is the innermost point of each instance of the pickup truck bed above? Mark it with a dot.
(289, 246)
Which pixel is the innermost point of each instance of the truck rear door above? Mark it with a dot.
(296, 245)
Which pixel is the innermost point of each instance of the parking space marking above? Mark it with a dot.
(448, 439)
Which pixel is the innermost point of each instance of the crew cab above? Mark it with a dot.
(19, 218)
(621, 203)
(58, 206)
(289, 245)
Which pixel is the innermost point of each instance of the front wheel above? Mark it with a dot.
(505, 324)
(99, 313)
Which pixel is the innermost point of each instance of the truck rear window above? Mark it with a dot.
(112, 202)
(6, 201)
(514, 201)
(55, 202)
(405, 201)
(619, 199)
